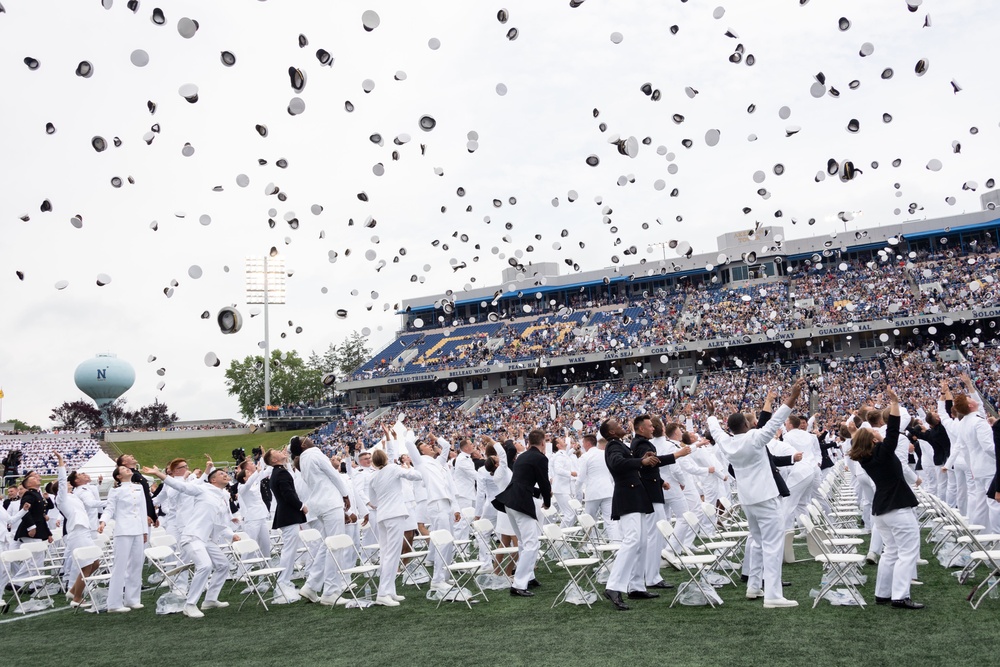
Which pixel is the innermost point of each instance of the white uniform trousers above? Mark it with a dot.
(651, 558)
(961, 490)
(633, 539)
(323, 573)
(865, 489)
(562, 504)
(978, 512)
(987, 508)
(766, 550)
(259, 531)
(440, 517)
(528, 530)
(75, 540)
(209, 561)
(290, 544)
(460, 530)
(898, 564)
(602, 507)
(369, 535)
(942, 483)
(126, 574)
(390, 543)
(676, 505)
(797, 502)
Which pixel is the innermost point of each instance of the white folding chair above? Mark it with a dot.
(357, 575)
(47, 569)
(10, 560)
(84, 556)
(604, 551)
(463, 571)
(841, 567)
(726, 532)
(165, 560)
(576, 568)
(415, 561)
(248, 556)
(502, 556)
(720, 549)
(696, 565)
(311, 539)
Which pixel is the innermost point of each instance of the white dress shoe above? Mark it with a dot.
(119, 610)
(386, 602)
(779, 602)
(308, 594)
(83, 604)
(331, 600)
(214, 604)
(754, 593)
(137, 605)
(192, 611)
(398, 598)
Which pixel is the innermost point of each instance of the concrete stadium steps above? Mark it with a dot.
(471, 405)
(573, 394)
(375, 414)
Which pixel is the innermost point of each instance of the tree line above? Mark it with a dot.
(295, 380)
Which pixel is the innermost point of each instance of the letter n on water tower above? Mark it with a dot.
(102, 373)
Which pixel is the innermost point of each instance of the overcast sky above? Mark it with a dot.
(533, 143)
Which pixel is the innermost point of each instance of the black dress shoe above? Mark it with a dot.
(906, 603)
(521, 593)
(642, 595)
(744, 578)
(534, 583)
(786, 583)
(882, 601)
(662, 584)
(616, 600)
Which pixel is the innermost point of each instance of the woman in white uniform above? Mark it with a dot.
(255, 514)
(126, 506)
(77, 527)
(385, 494)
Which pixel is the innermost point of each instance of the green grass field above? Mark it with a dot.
(159, 452)
(516, 631)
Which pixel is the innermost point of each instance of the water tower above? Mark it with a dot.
(104, 378)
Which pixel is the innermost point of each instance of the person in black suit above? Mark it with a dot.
(33, 526)
(289, 512)
(892, 509)
(628, 505)
(647, 573)
(529, 480)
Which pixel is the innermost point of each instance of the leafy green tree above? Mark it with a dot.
(351, 353)
(155, 415)
(292, 381)
(22, 427)
(72, 416)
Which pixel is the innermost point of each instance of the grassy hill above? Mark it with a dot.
(220, 448)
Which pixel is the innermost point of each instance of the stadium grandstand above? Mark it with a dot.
(853, 294)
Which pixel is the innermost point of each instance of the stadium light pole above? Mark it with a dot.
(265, 285)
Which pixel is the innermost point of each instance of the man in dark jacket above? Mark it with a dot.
(529, 479)
(647, 572)
(628, 505)
(289, 513)
(33, 525)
